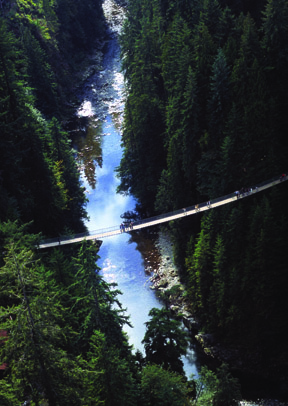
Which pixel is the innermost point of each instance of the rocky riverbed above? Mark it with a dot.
(167, 282)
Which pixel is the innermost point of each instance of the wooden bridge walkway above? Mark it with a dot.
(138, 225)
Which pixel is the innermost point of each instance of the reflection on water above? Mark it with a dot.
(145, 244)
(100, 113)
(125, 259)
(89, 150)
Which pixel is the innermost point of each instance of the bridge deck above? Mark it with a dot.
(114, 230)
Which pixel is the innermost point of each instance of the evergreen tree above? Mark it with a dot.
(113, 383)
(199, 270)
(223, 123)
(164, 340)
(143, 123)
(191, 131)
(275, 26)
(41, 76)
(163, 388)
(11, 145)
(32, 348)
(218, 388)
(218, 105)
(95, 303)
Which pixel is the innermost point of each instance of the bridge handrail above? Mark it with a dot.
(248, 191)
(203, 204)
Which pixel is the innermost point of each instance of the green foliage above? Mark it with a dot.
(41, 76)
(219, 389)
(8, 393)
(163, 388)
(217, 74)
(31, 322)
(39, 179)
(64, 332)
(115, 384)
(94, 303)
(164, 340)
(139, 169)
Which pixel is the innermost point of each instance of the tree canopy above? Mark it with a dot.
(205, 114)
(217, 71)
(164, 341)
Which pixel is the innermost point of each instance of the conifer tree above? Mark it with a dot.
(163, 388)
(41, 76)
(113, 383)
(32, 347)
(164, 340)
(94, 302)
(217, 110)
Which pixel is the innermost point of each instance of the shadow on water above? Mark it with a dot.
(145, 244)
(89, 150)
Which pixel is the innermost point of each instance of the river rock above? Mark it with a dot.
(163, 283)
(167, 277)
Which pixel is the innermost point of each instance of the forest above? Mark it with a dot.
(205, 114)
(61, 336)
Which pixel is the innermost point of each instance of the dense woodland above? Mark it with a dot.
(206, 115)
(41, 47)
(61, 337)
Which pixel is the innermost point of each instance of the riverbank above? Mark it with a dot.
(165, 280)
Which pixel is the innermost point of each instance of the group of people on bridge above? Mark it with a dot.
(244, 191)
(126, 225)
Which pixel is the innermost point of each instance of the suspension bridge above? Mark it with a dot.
(163, 218)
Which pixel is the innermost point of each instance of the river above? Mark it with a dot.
(98, 144)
